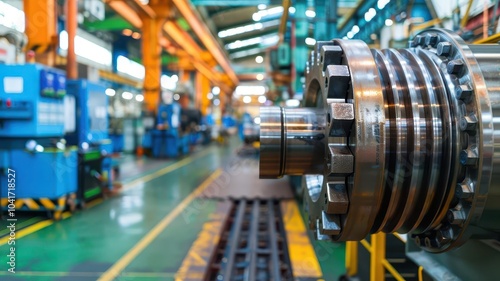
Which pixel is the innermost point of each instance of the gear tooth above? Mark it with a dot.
(342, 117)
(319, 235)
(330, 55)
(330, 224)
(337, 81)
(337, 199)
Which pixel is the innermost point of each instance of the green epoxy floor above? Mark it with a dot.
(86, 244)
(89, 242)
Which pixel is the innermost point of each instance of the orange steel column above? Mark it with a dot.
(41, 29)
(151, 51)
(151, 57)
(202, 89)
(71, 27)
(185, 76)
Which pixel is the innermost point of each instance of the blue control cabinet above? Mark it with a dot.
(91, 112)
(31, 101)
(32, 123)
(166, 141)
(91, 137)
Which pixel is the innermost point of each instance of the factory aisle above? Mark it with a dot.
(98, 241)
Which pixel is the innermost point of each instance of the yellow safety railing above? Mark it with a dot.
(378, 263)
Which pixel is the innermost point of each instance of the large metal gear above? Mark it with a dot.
(395, 140)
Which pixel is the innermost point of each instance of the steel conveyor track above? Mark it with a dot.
(253, 245)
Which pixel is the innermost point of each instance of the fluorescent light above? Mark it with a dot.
(240, 30)
(265, 13)
(256, 120)
(247, 99)
(388, 22)
(127, 95)
(260, 76)
(350, 34)
(168, 82)
(249, 90)
(87, 49)
(382, 3)
(310, 41)
(291, 10)
(370, 14)
(216, 90)
(130, 67)
(136, 35)
(310, 14)
(247, 53)
(12, 17)
(177, 96)
(345, 38)
(139, 98)
(292, 103)
(210, 96)
(266, 40)
(259, 59)
(217, 102)
(262, 99)
(355, 29)
(110, 92)
(262, 6)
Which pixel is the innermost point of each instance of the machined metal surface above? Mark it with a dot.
(409, 140)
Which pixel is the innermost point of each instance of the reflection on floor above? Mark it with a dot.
(144, 233)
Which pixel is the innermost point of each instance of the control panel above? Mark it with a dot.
(31, 101)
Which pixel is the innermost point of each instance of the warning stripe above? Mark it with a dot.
(37, 204)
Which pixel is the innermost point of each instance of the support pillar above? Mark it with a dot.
(41, 29)
(151, 58)
(151, 51)
(71, 27)
(202, 88)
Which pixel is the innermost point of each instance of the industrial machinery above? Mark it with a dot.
(90, 134)
(32, 123)
(398, 141)
(249, 128)
(167, 140)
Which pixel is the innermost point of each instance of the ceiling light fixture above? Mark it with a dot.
(310, 41)
(259, 59)
(266, 13)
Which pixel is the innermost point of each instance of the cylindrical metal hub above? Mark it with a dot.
(292, 141)
(410, 141)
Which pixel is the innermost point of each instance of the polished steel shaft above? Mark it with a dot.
(292, 140)
(411, 140)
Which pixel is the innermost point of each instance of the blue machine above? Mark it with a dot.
(91, 137)
(32, 124)
(166, 140)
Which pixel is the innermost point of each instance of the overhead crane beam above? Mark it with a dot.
(193, 51)
(206, 38)
(139, 16)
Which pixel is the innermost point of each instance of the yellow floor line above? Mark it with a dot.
(27, 231)
(124, 261)
(195, 264)
(43, 224)
(163, 171)
(86, 274)
(302, 256)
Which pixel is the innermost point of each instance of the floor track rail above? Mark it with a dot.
(253, 245)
